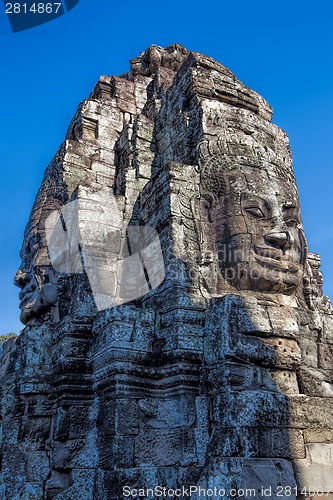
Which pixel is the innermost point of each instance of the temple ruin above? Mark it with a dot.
(214, 367)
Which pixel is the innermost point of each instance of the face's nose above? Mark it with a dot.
(279, 240)
(21, 278)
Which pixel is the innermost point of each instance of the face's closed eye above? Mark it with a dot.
(255, 211)
(254, 206)
(291, 215)
(292, 222)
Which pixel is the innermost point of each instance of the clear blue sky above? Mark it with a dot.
(283, 50)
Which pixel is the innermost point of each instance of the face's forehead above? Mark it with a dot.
(34, 250)
(31, 239)
(258, 183)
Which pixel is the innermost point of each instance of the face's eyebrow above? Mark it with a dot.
(251, 197)
(247, 198)
(289, 205)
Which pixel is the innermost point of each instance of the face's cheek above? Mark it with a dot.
(237, 236)
(297, 243)
(233, 254)
(257, 228)
(49, 294)
(48, 286)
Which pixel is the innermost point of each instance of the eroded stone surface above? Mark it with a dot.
(221, 376)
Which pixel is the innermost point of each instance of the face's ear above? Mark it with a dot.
(304, 247)
(312, 280)
(208, 204)
(307, 287)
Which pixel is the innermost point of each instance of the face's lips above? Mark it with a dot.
(274, 259)
(270, 253)
(25, 297)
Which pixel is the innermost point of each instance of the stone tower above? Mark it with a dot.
(220, 375)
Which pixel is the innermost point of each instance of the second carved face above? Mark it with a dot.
(38, 283)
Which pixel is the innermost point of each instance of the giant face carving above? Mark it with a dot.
(259, 237)
(38, 282)
(254, 211)
(36, 277)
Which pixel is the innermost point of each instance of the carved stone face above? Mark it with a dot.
(38, 283)
(259, 235)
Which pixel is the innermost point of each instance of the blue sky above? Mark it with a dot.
(283, 50)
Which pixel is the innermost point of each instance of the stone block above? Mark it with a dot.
(189, 457)
(281, 443)
(318, 435)
(228, 317)
(283, 320)
(325, 356)
(251, 409)
(34, 432)
(75, 453)
(158, 447)
(327, 335)
(228, 442)
(79, 422)
(58, 482)
(202, 431)
(284, 381)
(127, 417)
(310, 412)
(75, 347)
(82, 486)
(315, 472)
(251, 317)
(32, 490)
(116, 451)
(256, 477)
(270, 478)
(251, 377)
(309, 351)
(287, 352)
(38, 465)
(313, 382)
(103, 168)
(167, 413)
(61, 424)
(184, 341)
